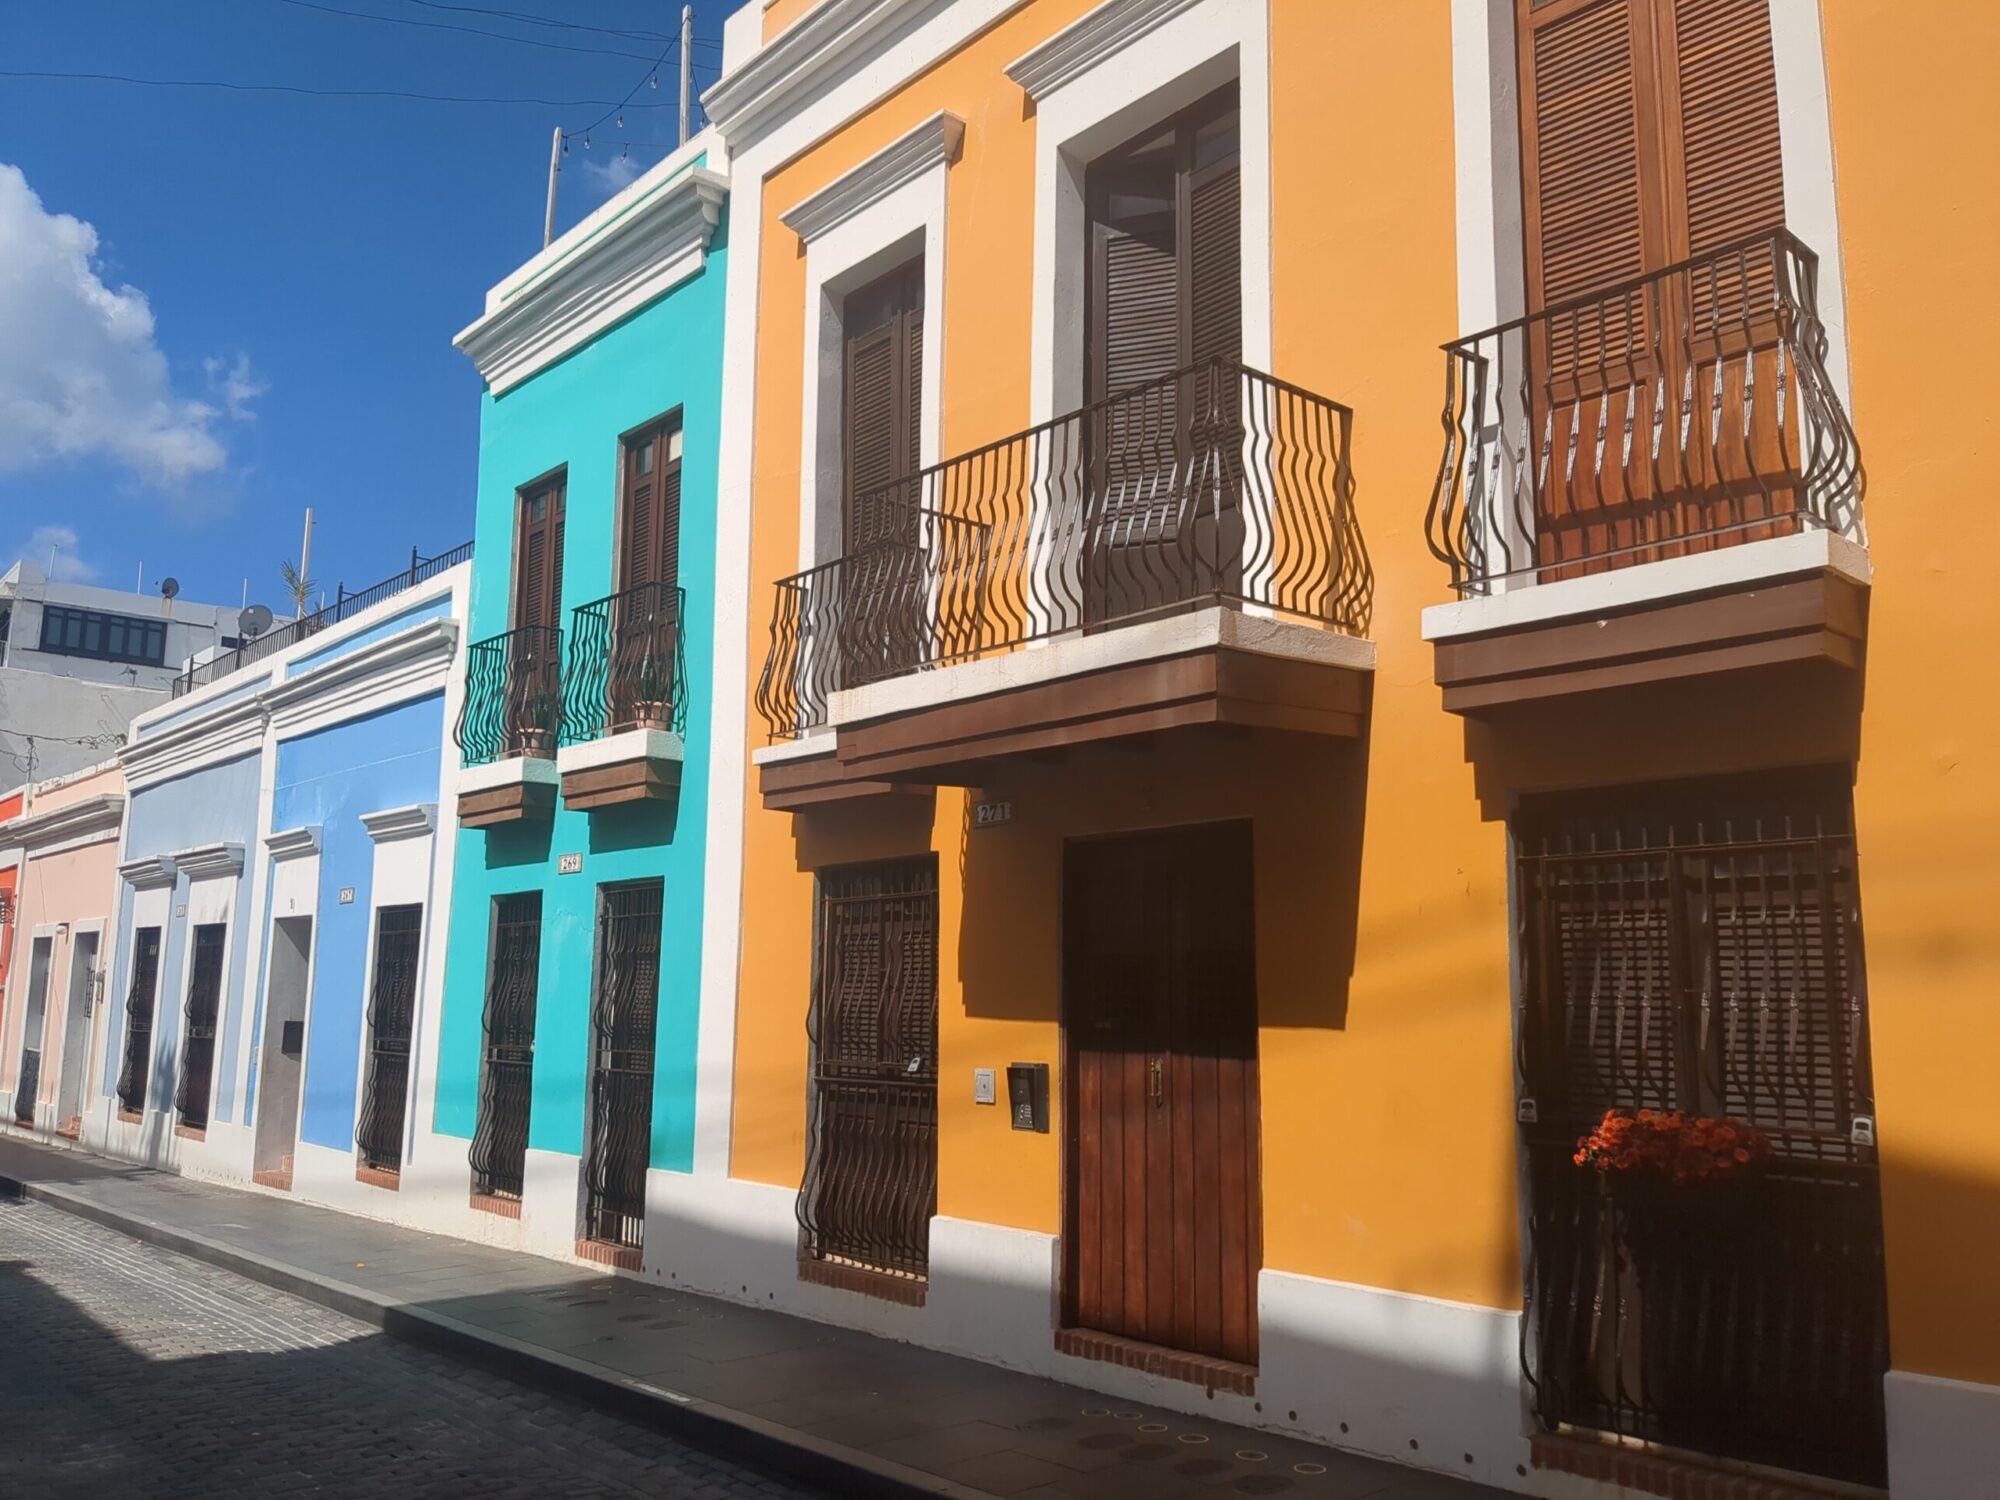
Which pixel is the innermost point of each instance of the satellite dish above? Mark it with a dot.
(169, 587)
(254, 621)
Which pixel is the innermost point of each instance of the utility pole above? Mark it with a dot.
(687, 67)
(305, 558)
(555, 166)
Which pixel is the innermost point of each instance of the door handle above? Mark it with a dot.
(1155, 1084)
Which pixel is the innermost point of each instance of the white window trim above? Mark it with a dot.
(1139, 74)
(902, 189)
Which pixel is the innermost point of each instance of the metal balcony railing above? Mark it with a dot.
(345, 606)
(1217, 484)
(513, 696)
(1683, 411)
(627, 664)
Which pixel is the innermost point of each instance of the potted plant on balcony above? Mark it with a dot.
(1679, 1191)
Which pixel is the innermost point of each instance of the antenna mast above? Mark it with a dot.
(555, 166)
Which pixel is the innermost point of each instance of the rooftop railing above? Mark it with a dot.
(1672, 414)
(345, 606)
(1214, 485)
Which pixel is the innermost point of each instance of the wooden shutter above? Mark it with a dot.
(882, 402)
(1137, 323)
(1215, 256)
(652, 506)
(1731, 172)
(538, 579)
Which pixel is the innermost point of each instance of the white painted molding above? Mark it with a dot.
(148, 874)
(414, 821)
(513, 770)
(1650, 583)
(408, 664)
(82, 822)
(807, 746)
(646, 248)
(620, 749)
(902, 160)
(229, 732)
(798, 68)
(290, 843)
(1088, 41)
(1213, 628)
(209, 859)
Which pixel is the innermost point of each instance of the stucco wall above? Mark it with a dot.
(666, 356)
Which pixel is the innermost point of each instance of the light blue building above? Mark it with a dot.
(275, 952)
(567, 1049)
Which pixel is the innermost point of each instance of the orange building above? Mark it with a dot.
(1230, 796)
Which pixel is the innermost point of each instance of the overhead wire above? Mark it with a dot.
(630, 34)
(498, 36)
(291, 88)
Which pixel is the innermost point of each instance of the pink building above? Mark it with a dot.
(65, 841)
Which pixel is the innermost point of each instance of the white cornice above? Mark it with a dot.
(290, 843)
(933, 143)
(78, 822)
(645, 249)
(413, 661)
(1088, 41)
(233, 730)
(209, 859)
(409, 822)
(830, 45)
(147, 874)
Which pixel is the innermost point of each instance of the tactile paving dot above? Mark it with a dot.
(1096, 1411)
(1194, 1437)
(1128, 1416)
(1308, 1468)
(1152, 1426)
(1251, 1455)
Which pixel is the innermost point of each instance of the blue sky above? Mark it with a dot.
(218, 308)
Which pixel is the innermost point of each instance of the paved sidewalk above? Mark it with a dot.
(858, 1414)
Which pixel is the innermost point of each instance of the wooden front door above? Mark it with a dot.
(1163, 1234)
(1164, 296)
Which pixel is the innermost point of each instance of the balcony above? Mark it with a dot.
(1184, 553)
(508, 727)
(625, 703)
(1656, 481)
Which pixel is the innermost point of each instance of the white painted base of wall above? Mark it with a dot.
(1944, 1438)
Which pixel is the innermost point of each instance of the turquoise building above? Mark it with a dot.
(566, 1055)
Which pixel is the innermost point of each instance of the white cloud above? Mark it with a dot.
(80, 373)
(611, 175)
(71, 565)
(237, 387)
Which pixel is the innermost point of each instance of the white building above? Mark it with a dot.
(78, 663)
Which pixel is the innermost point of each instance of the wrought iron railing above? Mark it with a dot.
(627, 664)
(204, 1003)
(499, 1149)
(1676, 413)
(135, 1067)
(513, 696)
(344, 606)
(622, 1017)
(1217, 484)
(392, 1009)
(26, 1086)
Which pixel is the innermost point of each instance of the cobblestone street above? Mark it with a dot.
(135, 1372)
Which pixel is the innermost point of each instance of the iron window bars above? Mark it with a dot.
(623, 1014)
(204, 1002)
(139, 1001)
(392, 1008)
(870, 1185)
(628, 663)
(1699, 947)
(1675, 413)
(513, 696)
(26, 1086)
(506, 1081)
(1216, 484)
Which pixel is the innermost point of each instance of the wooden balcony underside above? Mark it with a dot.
(1818, 619)
(958, 741)
(510, 803)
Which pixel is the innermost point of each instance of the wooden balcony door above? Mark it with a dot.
(1650, 136)
(882, 585)
(644, 622)
(534, 671)
(1162, 522)
(1163, 1230)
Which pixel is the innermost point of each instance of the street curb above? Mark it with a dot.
(704, 1424)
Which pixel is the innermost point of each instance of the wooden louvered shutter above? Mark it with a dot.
(669, 514)
(538, 577)
(1136, 314)
(641, 485)
(882, 400)
(1215, 258)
